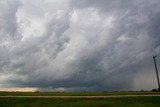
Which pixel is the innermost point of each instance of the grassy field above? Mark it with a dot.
(76, 93)
(79, 102)
(96, 102)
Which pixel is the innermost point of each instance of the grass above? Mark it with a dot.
(96, 102)
(76, 93)
(79, 102)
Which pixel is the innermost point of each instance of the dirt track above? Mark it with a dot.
(111, 96)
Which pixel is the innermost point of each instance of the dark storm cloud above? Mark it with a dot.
(106, 5)
(79, 45)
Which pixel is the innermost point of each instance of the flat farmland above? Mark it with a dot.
(77, 93)
(80, 99)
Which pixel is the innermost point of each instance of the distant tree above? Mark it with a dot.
(154, 90)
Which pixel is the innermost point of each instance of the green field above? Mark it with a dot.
(76, 93)
(96, 102)
(79, 102)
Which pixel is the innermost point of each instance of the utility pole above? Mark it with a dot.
(154, 57)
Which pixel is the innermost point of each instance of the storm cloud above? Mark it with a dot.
(79, 45)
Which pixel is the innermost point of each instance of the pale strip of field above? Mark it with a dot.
(111, 96)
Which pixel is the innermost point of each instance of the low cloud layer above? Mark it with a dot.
(79, 45)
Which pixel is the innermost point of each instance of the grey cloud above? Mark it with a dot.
(8, 19)
(89, 46)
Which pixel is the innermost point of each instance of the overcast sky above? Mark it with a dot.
(79, 45)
